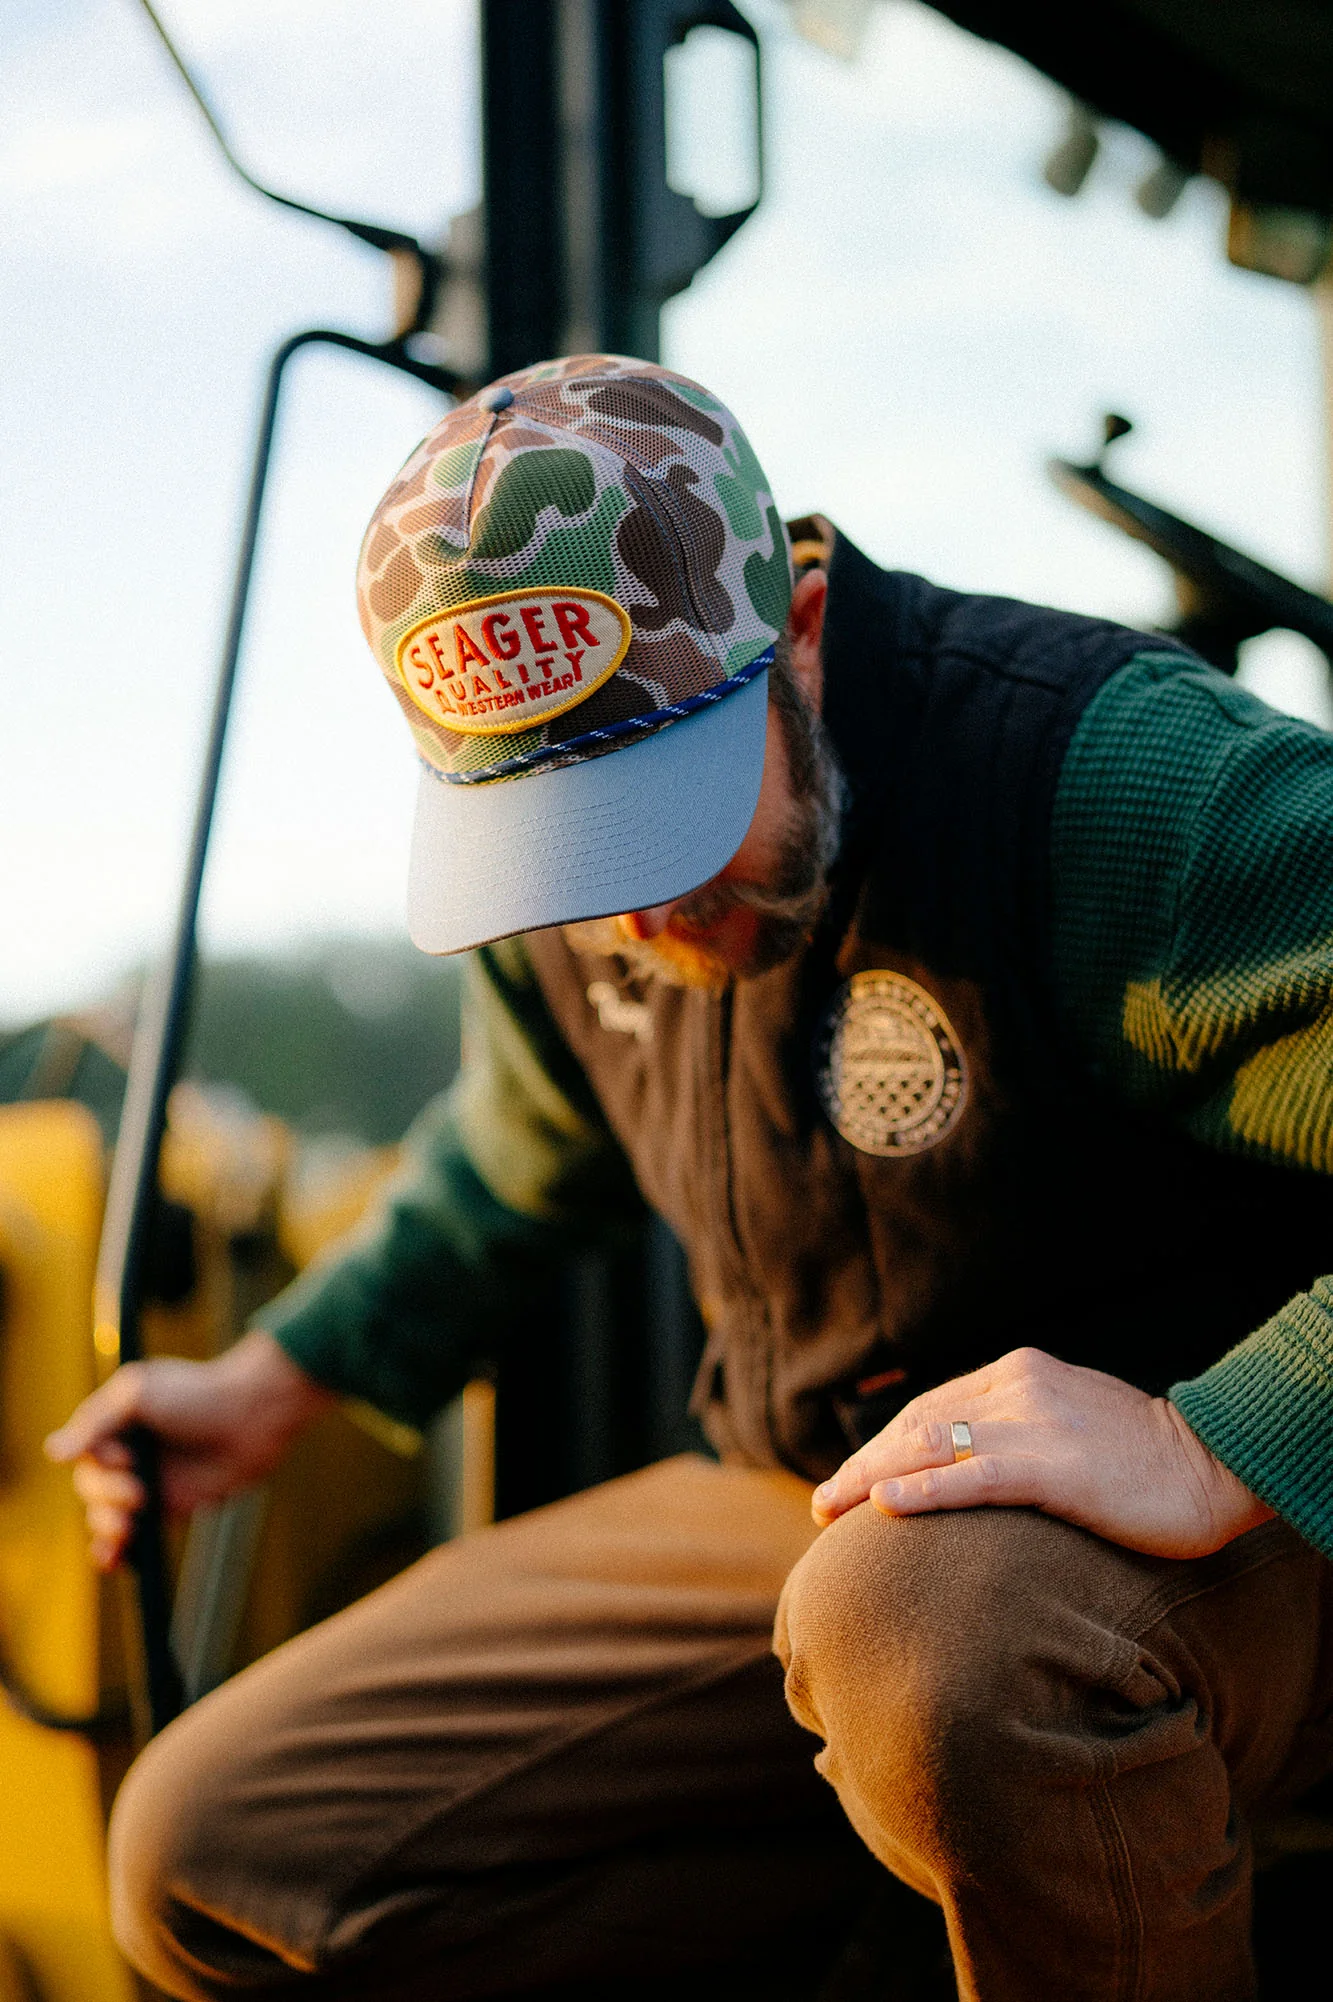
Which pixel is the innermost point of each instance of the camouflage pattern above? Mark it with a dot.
(601, 473)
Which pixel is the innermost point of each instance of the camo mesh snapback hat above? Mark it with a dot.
(574, 588)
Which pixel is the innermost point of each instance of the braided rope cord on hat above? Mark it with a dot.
(592, 743)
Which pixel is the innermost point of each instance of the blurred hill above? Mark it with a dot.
(352, 1036)
(349, 1037)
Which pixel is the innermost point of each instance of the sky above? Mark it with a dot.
(910, 325)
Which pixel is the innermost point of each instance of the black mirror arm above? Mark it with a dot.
(159, 1042)
(414, 301)
(159, 1045)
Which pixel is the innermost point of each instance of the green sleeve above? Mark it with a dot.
(1192, 860)
(504, 1175)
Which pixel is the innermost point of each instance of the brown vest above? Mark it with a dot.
(834, 1282)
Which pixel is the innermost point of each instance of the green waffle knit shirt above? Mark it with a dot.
(1192, 854)
(1192, 914)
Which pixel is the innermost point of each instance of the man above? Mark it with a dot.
(967, 1009)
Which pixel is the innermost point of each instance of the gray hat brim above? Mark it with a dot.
(622, 832)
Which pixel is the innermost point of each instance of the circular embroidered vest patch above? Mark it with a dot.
(891, 1073)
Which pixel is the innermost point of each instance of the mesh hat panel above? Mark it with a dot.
(595, 473)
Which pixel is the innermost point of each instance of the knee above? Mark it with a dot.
(144, 1839)
(901, 1607)
(167, 1851)
(931, 1652)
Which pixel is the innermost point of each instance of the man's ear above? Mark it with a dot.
(805, 630)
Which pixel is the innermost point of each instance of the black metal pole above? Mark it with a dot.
(521, 172)
(158, 1048)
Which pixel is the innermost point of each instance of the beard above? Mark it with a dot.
(785, 910)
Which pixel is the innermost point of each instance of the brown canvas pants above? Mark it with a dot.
(554, 1757)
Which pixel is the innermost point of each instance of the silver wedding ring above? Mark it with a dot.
(961, 1434)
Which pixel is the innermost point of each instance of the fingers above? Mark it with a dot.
(899, 1449)
(919, 1437)
(113, 1453)
(111, 1493)
(180, 1402)
(107, 1550)
(986, 1480)
(1068, 1440)
(913, 1442)
(109, 1532)
(112, 1497)
(93, 1426)
(98, 1485)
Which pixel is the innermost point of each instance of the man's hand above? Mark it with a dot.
(221, 1426)
(1069, 1441)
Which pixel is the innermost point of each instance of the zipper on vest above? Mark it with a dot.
(746, 1358)
(719, 1083)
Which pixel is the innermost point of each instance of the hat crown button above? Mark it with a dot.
(498, 400)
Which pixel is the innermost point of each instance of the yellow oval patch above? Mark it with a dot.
(511, 661)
